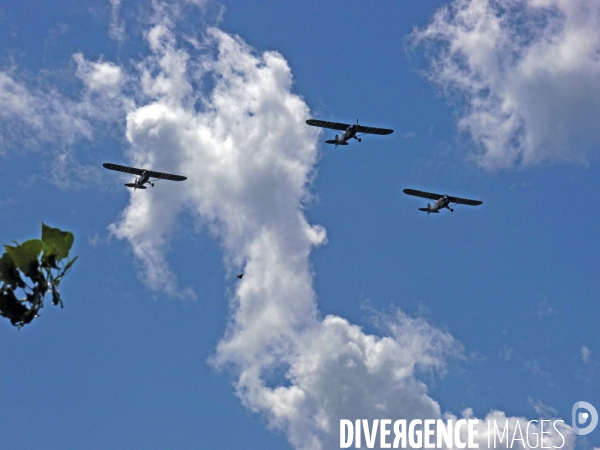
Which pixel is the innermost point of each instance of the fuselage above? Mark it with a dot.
(345, 136)
(139, 182)
(143, 179)
(348, 134)
(443, 202)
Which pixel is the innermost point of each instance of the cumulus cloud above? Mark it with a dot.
(526, 74)
(225, 115)
(250, 158)
(99, 76)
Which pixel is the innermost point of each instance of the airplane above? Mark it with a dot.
(240, 276)
(144, 175)
(441, 201)
(349, 131)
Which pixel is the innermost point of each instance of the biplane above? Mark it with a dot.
(143, 176)
(349, 131)
(441, 201)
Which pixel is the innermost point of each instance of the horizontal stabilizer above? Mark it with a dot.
(428, 210)
(332, 141)
(134, 186)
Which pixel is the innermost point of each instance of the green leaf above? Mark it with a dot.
(69, 264)
(49, 259)
(29, 316)
(56, 300)
(26, 256)
(9, 273)
(35, 298)
(11, 308)
(56, 242)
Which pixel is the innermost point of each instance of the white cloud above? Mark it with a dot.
(506, 352)
(99, 76)
(34, 114)
(31, 117)
(116, 28)
(586, 355)
(67, 172)
(249, 158)
(544, 309)
(541, 409)
(528, 72)
(336, 371)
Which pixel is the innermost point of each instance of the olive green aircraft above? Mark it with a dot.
(441, 201)
(143, 176)
(349, 131)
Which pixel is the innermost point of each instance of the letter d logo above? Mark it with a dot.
(581, 417)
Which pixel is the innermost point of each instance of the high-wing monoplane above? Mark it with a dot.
(349, 131)
(441, 201)
(143, 176)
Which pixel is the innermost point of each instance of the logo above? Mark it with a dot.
(584, 413)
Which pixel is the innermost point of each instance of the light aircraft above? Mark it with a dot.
(240, 276)
(144, 175)
(349, 131)
(441, 201)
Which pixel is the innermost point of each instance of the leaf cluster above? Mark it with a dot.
(33, 269)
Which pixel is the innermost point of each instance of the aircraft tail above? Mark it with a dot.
(132, 185)
(334, 142)
(427, 210)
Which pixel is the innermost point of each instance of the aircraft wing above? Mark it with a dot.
(344, 127)
(125, 169)
(373, 130)
(429, 195)
(432, 196)
(464, 201)
(166, 176)
(151, 173)
(325, 124)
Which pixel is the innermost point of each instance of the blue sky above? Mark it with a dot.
(353, 301)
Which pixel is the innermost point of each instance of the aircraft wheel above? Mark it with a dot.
(359, 140)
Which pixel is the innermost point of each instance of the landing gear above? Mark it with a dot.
(451, 210)
(152, 184)
(357, 138)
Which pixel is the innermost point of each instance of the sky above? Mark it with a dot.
(353, 304)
